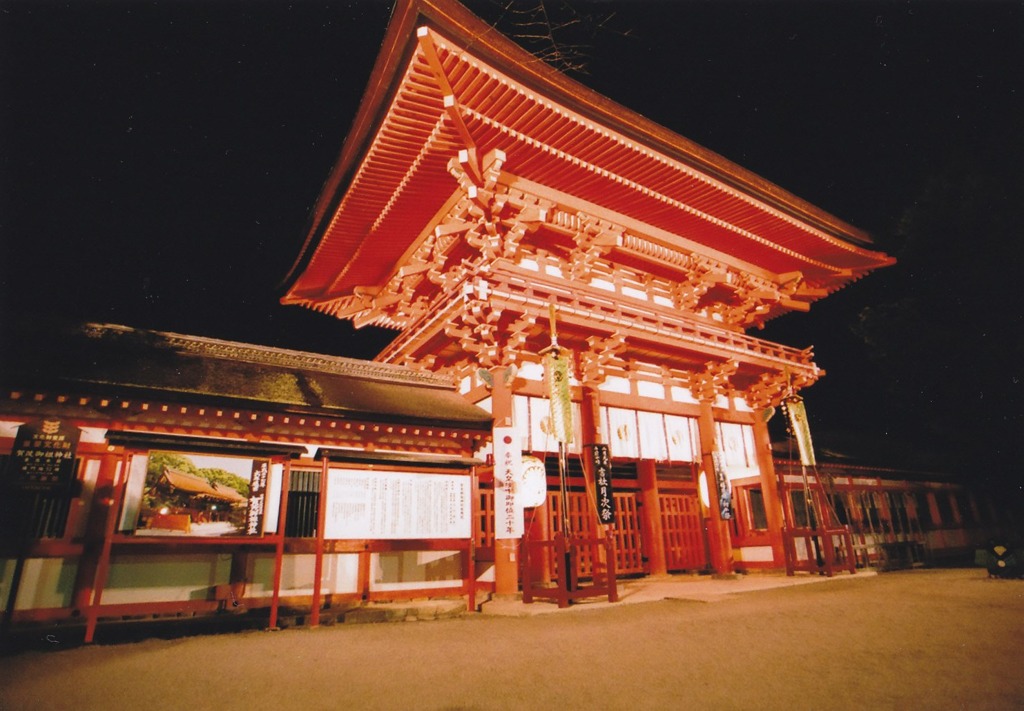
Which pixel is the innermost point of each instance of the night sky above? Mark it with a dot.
(160, 161)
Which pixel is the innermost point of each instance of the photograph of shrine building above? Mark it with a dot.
(576, 391)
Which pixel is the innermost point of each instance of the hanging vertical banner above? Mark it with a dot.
(601, 461)
(724, 487)
(508, 511)
(43, 457)
(556, 367)
(800, 429)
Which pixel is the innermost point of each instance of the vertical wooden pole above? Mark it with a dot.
(506, 565)
(770, 490)
(719, 541)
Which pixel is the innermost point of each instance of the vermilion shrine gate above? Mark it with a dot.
(479, 186)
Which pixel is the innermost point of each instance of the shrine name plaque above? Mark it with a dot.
(43, 458)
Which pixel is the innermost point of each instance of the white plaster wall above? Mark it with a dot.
(340, 574)
(756, 554)
(45, 583)
(164, 578)
(409, 570)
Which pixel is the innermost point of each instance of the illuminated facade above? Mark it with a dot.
(480, 190)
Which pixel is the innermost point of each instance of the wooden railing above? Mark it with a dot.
(566, 586)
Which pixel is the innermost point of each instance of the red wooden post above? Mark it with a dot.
(538, 528)
(113, 504)
(95, 532)
(282, 523)
(654, 535)
(613, 583)
(506, 567)
(318, 566)
(718, 532)
(770, 491)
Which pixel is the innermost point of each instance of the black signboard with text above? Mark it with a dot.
(600, 459)
(43, 458)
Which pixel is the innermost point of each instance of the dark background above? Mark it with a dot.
(160, 160)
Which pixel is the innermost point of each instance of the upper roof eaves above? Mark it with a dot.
(453, 22)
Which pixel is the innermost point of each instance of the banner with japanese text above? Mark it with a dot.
(796, 414)
(724, 485)
(601, 461)
(508, 511)
(557, 369)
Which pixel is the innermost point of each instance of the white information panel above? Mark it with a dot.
(396, 505)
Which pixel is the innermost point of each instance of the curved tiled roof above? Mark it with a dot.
(116, 360)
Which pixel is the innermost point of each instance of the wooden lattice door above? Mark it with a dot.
(629, 558)
(683, 532)
(626, 529)
(581, 522)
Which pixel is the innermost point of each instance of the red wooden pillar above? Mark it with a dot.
(95, 532)
(590, 416)
(506, 565)
(538, 528)
(318, 565)
(719, 541)
(770, 491)
(282, 523)
(112, 504)
(653, 533)
(590, 433)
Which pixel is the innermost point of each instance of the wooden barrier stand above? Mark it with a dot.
(565, 586)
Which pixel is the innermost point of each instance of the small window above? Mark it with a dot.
(966, 509)
(945, 503)
(758, 514)
(799, 500)
(303, 503)
(839, 506)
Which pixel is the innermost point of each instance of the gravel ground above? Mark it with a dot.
(920, 639)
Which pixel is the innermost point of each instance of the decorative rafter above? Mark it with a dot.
(594, 239)
(773, 386)
(707, 384)
(601, 356)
